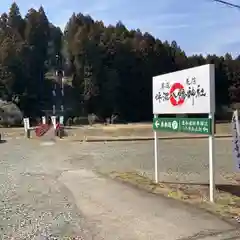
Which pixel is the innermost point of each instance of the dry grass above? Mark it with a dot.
(132, 130)
(118, 130)
(226, 204)
(224, 128)
(220, 127)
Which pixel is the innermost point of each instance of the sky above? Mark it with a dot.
(198, 26)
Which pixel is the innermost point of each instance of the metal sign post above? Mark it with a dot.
(211, 147)
(156, 153)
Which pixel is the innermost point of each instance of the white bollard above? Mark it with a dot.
(26, 127)
(54, 121)
(61, 120)
(44, 121)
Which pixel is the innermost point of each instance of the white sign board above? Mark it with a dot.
(236, 139)
(188, 91)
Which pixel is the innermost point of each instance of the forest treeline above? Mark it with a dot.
(109, 68)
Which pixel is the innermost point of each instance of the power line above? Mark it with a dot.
(228, 3)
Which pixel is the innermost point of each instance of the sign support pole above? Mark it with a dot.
(212, 159)
(237, 122)
(156, 153)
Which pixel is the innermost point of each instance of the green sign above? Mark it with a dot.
(187, 125)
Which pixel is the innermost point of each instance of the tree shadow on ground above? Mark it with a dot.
(233, 235)
(233, 189)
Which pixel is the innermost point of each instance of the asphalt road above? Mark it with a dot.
(37, 201)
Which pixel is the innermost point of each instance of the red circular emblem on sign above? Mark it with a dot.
(172, 99)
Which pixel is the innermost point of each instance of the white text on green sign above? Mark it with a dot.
(187, 125)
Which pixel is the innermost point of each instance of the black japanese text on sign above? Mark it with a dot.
(177, 94)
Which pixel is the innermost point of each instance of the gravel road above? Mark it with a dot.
(35, 205)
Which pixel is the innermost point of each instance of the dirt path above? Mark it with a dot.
(126, 213)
